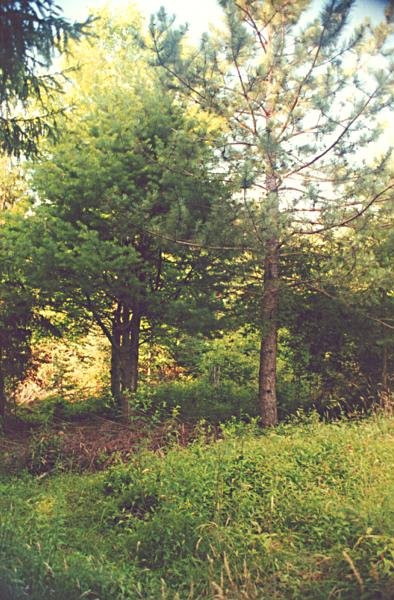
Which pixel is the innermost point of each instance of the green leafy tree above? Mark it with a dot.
(364, 287)
(299, 99)
(15, 337)
(131, 174)
(16, 299)
(31, 32)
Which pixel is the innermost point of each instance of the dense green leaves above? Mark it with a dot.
(128, 196)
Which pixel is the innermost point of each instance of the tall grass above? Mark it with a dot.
(303, 511)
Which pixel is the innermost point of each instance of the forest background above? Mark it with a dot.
(191, 206)
(196, 304)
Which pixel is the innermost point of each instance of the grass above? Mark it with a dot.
(303, 511)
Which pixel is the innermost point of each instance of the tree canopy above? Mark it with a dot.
(131, 173)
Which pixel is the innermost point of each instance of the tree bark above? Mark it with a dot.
(3, 399)
(116, 389)
(128, 357)
(134, 349)
(124, 337)
(269, 342)
(115, 373)
(385, 393)
(385, 371)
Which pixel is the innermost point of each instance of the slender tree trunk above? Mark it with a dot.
(385, 394)
(149, 367)
(115, 373)
(2, 391)
(385, 371)
(124, 363)
(124, 392)
(119, 367)
(124, 337)
(116, 389)
(3, 399)
(268, 351)
(134, 349)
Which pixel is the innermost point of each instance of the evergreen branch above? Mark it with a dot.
(242, 124)
(302, 84)
(250, 20)
(362, 211)
(338, 139)
(173, 73)
(245, 94)
(256, 230)
(195, 245)
(341, 301)
(159, 271)
(257, 30)
(350, 219)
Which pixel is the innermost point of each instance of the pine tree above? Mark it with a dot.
(299, 97)
(129, 175)
(16, 298)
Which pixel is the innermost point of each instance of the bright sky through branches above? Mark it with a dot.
(198, 14)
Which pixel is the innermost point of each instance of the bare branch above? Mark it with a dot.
(346, 222)
(338, 139)
(195, 245)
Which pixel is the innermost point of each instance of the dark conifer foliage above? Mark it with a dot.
(31, 32)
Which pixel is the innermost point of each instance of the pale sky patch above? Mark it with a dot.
(199, 14)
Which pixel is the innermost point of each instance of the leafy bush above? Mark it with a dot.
(232, 358)
(197, 399)
(58, 409)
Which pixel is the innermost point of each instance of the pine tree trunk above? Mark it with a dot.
(128, 358)
(2, 392)
(267, 374)
(3, 399)
(385, 394)
(124, 384)
(385, 371)
(116, 389)
(125, 363)
(134, 349)
(115, 373)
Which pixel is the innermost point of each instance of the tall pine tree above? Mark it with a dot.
(299, 96)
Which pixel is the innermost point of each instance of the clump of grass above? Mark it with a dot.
(303, 511)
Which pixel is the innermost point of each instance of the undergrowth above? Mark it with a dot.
(304, 511)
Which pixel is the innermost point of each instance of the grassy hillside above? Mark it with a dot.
(303, 511)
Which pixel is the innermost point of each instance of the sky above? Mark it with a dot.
(197, 13)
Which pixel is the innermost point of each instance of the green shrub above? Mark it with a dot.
(57, 409)
(197, 399)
